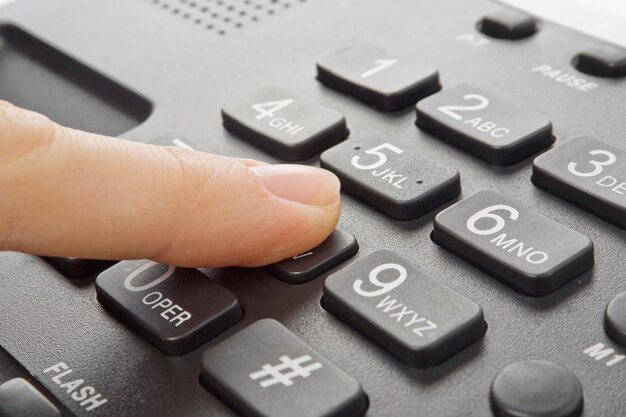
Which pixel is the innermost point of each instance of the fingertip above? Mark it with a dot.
(300, 183)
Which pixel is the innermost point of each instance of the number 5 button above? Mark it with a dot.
(520, 247)
(377, 76)
(291, 127)
(589, 173)
(484, 124)
(409, 314)
(391, 176)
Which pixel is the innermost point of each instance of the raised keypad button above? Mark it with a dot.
(266, 371)
(289, 126)
(19, 398)
(338, 247)
(588, 173)
(176, 309)
(377, 77)
(536, 389)
(391, 175)
(602, 61)
(508, 24)
(484, 124)
(176, 139)
(75, 268)
(522, 248)
(412, 316)
(615, 319)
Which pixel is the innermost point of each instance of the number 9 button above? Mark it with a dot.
(410, 315)
(520, 247)
(391, 176)
(484, 124)
(589, 173)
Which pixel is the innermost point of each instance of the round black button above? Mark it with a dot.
(508, 24)
(536, 389)
(602, 61)
(615, 319)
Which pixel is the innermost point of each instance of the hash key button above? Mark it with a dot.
(588, 173)
(176, 309)
(522, 248)
(484, 124)
(400, 308)
(289, 126)
(266, 371)
(377, 77)
(391, 176)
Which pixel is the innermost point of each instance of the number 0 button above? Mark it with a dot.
(520, 247)
(289, 126)
(377, 77)
(177, 309)
(391, 176)
(400, 308)
(484, 124)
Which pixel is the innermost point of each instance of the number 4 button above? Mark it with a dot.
(291, 127)
(377, 76)
(484, 124)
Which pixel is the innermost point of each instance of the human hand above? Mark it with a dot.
(65, 192)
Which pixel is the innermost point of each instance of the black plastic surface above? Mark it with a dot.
(189, 73)
(39, 77)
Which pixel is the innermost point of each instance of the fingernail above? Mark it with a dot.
(300, 183)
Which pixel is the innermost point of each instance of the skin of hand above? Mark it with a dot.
(65, 192)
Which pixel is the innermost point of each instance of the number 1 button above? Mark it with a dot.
(484, 124)
(377, 77)
(391, 176)
(289, 126)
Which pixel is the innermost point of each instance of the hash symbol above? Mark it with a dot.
(278, 377)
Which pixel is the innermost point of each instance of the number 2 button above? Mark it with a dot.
(484, 124)
(391, 176)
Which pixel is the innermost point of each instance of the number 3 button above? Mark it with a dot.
(484, 124)
(391, 176)
(589, 173)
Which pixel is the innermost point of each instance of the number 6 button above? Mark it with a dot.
(484, 124)
(377, 76)
(589, 173)
(391, 176)
(520, 247)
(409, 314)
